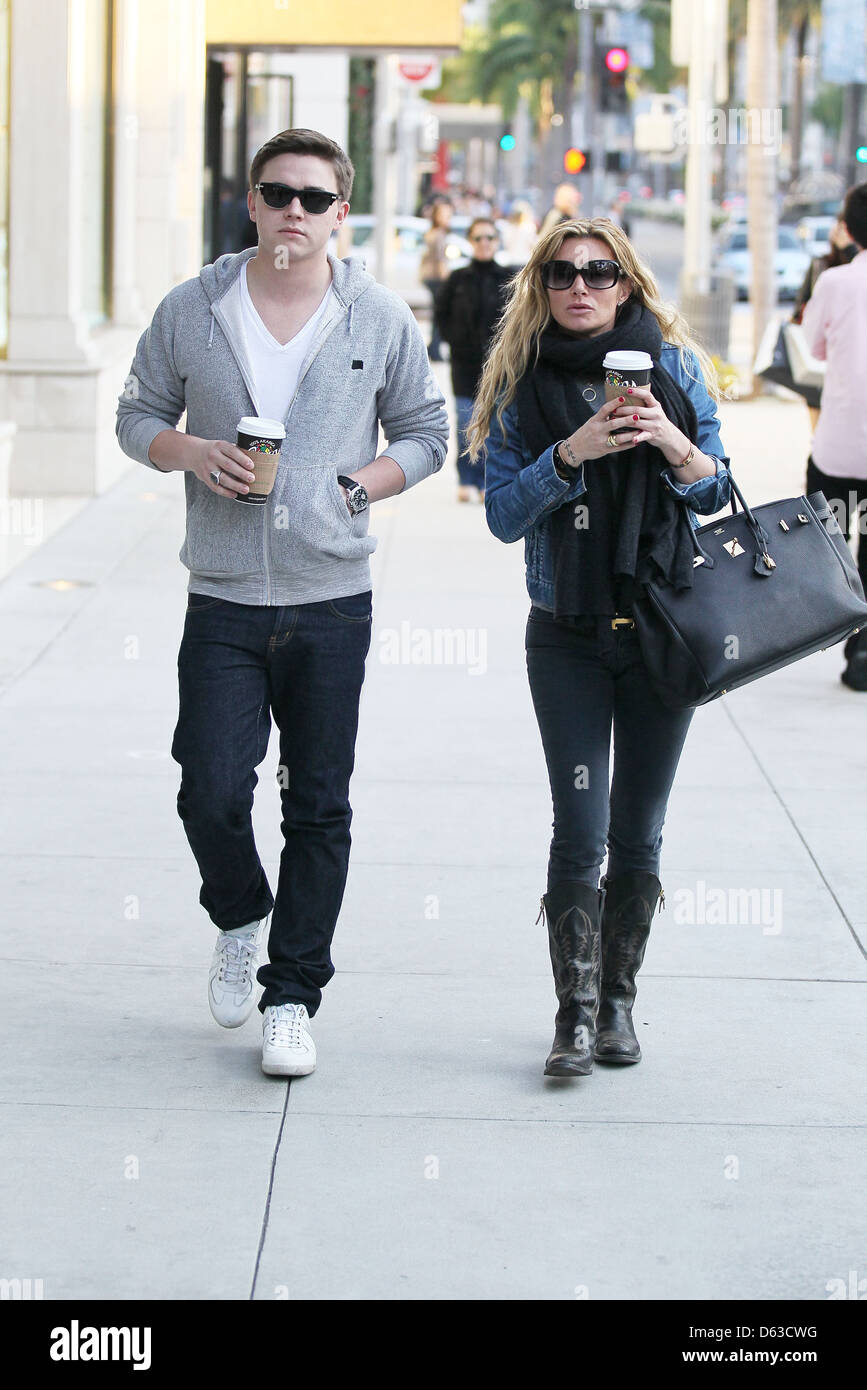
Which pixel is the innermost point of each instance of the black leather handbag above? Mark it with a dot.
(770, 585)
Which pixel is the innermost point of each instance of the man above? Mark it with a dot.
(835, 326)
(467, 307)
(279, 609)
(566, 208)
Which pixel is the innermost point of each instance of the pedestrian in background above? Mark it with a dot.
(565, 208)
(278, 616)
(434, 266)
(599, 512)
(835, 326)
(842, 251)
(519, 234)
(467, 308)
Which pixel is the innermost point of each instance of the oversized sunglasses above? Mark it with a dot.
(280, 195)
(598, 275)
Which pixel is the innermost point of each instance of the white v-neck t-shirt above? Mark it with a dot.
(276, 366)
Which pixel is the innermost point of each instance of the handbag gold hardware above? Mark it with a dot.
(734, 547)
(697, 560)
(784, 525)
(769, 563)
(804, 520)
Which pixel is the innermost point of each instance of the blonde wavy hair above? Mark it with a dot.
(528, 312)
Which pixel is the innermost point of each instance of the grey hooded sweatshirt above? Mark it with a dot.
(367, 366)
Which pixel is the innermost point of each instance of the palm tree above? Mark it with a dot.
(530, 51)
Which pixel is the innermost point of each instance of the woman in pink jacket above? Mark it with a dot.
(835, 324)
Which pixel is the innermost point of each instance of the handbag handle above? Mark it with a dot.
(763, 564)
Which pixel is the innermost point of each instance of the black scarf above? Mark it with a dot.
(633, 528)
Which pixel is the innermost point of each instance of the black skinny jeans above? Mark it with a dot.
(585, 677)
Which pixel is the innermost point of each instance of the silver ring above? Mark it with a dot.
(215, 477)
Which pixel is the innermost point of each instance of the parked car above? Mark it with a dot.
(408, 245)
(790, 262)
(815, 235)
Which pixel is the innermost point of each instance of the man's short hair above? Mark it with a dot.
(855, 213)
(300, 141)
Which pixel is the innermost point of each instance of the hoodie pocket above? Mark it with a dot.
(224, 537)
(312, 522)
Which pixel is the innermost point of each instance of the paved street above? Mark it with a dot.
(143, 1152)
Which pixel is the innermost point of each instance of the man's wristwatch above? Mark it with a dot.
(356, 495)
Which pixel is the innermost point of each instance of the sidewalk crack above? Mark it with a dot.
(267, 1213)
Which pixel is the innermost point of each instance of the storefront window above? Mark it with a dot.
(249, 96)
(4, 175)
(95, 90)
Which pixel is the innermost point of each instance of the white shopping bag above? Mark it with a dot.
(806, 369)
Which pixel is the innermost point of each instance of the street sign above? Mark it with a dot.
(421, 72)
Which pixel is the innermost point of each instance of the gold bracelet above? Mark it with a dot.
(685, 462)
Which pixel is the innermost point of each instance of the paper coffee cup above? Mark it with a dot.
(261, 439)
(622, 370)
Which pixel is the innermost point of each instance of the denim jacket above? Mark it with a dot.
(521, 491)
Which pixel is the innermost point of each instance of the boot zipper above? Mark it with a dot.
(661, 900)
(541, 916)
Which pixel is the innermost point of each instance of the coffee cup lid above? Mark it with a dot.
(259, 425)
(627, 361)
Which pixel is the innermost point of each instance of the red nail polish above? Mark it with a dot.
(622, 399)
(629, 390)
(635, 417)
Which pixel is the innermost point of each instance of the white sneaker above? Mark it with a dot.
(287, 1047)
(232, 978)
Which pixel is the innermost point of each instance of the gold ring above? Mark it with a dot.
(612, 441)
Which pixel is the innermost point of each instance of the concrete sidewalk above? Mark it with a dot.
(144, 1155)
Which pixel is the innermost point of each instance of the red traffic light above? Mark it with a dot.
(574, 161)
(617, 60)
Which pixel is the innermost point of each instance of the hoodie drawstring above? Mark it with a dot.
(211, 334)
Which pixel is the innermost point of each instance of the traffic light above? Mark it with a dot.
(507, 140)
(861, 154)
(576, 161)
(612, 86)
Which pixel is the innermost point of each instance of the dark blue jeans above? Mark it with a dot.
(586, 678)
(238, 664)
(469, 474)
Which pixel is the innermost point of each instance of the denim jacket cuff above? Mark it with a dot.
(690, 489)
(557, 489)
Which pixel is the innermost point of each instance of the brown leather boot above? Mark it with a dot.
(573, 913)
(630, 902)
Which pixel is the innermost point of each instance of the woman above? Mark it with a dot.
(842, 251)
(466, 310)
(519, 233)
(434, 266)
(599, 511)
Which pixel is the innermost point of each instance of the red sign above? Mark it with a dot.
(415, 72)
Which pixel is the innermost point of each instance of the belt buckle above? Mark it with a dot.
(622, 622)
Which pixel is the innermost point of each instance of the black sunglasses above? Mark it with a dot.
(280, 195)
(598, 275)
